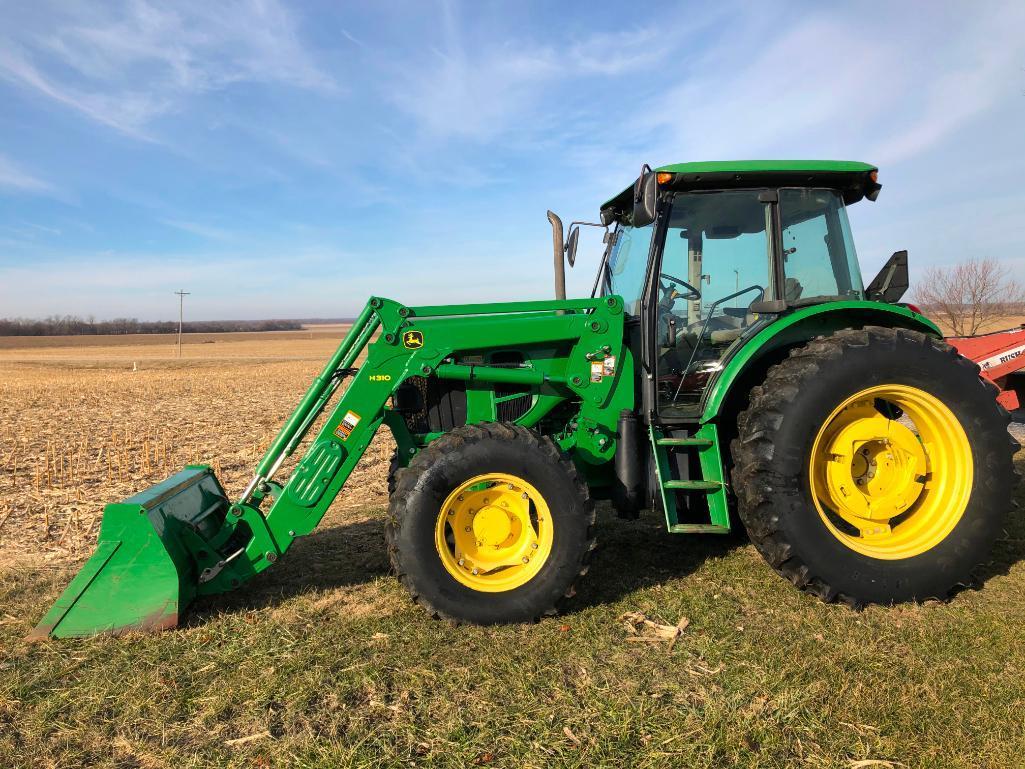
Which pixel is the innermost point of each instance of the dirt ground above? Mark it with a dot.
(97, 419)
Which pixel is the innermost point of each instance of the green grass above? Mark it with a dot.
(326, 659)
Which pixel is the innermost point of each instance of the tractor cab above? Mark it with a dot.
(706, 254)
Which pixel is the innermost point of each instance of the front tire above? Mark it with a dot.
(490, 524)
(874, 466)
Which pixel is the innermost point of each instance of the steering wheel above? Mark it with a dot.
(668, 291)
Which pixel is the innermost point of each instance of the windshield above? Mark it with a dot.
(628, 263)
(818, 251)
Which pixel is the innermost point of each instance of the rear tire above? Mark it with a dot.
(490, 491)
(904, 545)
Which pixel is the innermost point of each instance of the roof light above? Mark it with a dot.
(663, 177)
(873, 176)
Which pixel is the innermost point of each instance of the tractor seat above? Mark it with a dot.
(725, 335)
(727, 328)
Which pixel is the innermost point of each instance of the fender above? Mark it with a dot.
(798, 327)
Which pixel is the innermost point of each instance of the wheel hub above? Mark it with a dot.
(877, 469)
(494, 532)
(891, 471)
(491, 526)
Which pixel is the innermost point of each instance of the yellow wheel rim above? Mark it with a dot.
(891, 472)
(494, 533)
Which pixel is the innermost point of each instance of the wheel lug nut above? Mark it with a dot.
(511, 487)
(467, 528)
(460, 497)
(475, 572)
(524, 495)
(534, 546)
(526, 560)
(461, 561)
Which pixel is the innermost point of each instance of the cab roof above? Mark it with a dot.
(849, 176)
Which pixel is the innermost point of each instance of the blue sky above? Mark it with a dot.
(289, 160)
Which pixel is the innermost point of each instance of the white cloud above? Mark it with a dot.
(125, 69)
(205, 231)
(127, 111)
(481, 83)
(833, 82)
(971, 76)
(630, 50)
(15, 179)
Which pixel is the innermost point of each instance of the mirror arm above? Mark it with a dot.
(610, 242)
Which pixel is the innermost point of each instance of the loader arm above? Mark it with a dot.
(161, 538)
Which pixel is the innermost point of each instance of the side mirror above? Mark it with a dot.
(892, 281)
(645, 196)
(571, 245)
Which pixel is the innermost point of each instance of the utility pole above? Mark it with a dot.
(181, 306)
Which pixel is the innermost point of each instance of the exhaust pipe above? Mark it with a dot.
(560, 262)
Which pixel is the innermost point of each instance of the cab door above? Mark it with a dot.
(716, 261)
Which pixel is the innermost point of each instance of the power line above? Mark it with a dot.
(181, 311)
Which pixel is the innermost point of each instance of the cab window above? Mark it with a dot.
(628, 264)
(818, 251)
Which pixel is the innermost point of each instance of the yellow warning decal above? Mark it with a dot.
(603, 368)
(347, 425)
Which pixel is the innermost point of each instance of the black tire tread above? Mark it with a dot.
(753, 476)
(463, 438)
(394, 465)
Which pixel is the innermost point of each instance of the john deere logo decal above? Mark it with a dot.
(413, 340)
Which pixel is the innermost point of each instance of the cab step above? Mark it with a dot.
(698, 528)
(701, 443)
(687, 465)
(692, 485)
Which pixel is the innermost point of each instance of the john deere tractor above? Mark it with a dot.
(728, 369)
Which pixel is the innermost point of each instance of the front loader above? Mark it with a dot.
(729, 368)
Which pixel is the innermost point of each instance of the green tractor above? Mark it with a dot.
(729, 369)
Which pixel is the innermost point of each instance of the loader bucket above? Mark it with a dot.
(143, 573)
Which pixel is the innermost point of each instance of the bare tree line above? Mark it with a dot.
(971, 297)
(71, 325)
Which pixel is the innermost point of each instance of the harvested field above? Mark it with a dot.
(999, 324)
(83, 425)
(678, 651)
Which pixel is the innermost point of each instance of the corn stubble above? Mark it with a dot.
(81, 427)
